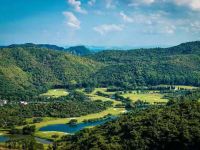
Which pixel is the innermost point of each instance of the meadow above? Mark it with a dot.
(55, 93)
(150, 97)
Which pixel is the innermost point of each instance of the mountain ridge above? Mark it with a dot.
(25, 68)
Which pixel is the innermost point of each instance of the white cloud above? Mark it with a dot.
(195, 26)
(105, 28)
(72, 20)
(169, 29)
(158, 29)
(148, 19)
(156, 23)
(91, 2)
(147, 1)
(77, 6)
(110, 4)
(141, 2)
(125, 17)
(193, 4)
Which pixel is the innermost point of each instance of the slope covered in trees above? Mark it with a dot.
(79, 50)
(175, 65)
(172, 127)
(29, 69)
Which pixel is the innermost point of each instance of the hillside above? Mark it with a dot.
(28, 69)
(78, 50)
(173, 127)
(33, 69)
(175, 65)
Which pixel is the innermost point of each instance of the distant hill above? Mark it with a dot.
(79, 50)
(53, 47)
(75, 50)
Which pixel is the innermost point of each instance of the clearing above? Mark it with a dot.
(56, 93)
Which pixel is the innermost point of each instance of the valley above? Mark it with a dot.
(50, 96)
(150, 97)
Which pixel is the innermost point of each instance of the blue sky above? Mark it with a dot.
(136, 23)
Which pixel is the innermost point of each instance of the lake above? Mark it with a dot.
(67, 128)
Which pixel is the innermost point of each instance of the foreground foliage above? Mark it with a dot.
(173, 127)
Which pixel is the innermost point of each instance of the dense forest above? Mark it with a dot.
(177, 126)
(26, 70)
(40, 67)
(175, 65)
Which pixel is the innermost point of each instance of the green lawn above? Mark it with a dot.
(55, 93)
(48, 134)
(95, 97)
(148, 97)
(186, 87)
(103, 90)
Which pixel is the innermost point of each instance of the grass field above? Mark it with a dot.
(148, 97)
(55, 93)
(48, 135)
(95, 97)
(103, 90)
(186, 87)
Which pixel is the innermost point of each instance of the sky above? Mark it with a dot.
(136, 23)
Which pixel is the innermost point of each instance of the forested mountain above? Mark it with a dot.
(175, 65)
(173, 127)
(75, 50)
(79, 50)
(31, 69)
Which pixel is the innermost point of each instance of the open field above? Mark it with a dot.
(55, 93)
(103, 90)
(48, 135)
(95, 97)
(148, 97)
